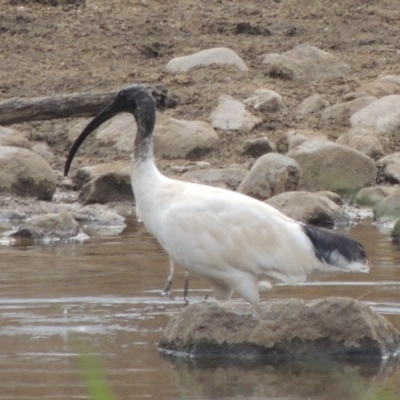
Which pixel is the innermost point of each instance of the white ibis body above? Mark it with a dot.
(231, 240)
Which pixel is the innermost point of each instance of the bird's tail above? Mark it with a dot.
(337, 250)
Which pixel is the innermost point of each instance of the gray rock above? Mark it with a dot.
(381, 116)
(85, 174)
(389, 166)
(329, 166)
(44, 151)
(289, 329)
(231, 115)
(372, 195)
(271, 174)
(305, 63)
(227, 178)
(255, 147)
(47, 227)
(173, 138)
(339, 114)
(363, 141)
(217, 55)
(26, 174)
(383, 86)
(310, 208)
(312, 105)
(298, 136)
(267, 101)
(389, 207)
(108, 187)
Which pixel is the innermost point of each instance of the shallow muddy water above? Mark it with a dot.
(104, 296)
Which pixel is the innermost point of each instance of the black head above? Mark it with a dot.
(134, 99)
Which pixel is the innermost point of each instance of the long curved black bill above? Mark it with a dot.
(109, 112)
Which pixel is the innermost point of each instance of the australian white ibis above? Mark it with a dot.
(236, 243)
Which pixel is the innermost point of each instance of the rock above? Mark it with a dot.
(266, 101)
(363, 141)
(26, 174)
(227, 178)
(312, 105)
(383, 86)
(255, 147)
(325, 328)
(305, 63)
(44, 151)
(231, 115)
(47, 227)
(337, 199)
(381, 116)
(217, 55)
(85, 174)
(176, 138)
(310, 208)
(11, 137)
(388, 207)
(271, 174)
(298, 136)
(339, 114)
(173, 138)
(329, 166)
(193, 166)
(108, 187)
(390, 167)
(372, 195)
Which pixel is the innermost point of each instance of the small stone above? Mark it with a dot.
(312, 105)
(217, 55)
(255, 147)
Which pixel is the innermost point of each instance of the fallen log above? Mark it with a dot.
(74, 105)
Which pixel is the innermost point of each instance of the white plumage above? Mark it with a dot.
(231, 240)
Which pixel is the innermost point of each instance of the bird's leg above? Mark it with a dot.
(168, 283)
(186, 289)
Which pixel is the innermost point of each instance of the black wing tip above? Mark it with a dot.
(328, 245)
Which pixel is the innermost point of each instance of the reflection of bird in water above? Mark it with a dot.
(168, 284)
(234, 242)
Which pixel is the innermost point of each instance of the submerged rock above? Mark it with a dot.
(47, 227)
(332, 327)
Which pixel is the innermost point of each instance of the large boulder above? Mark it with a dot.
(305, 63)
(311, 208)
(271, 174)
(288, 329)
(217, 55)
(372, 195)
(329, 166)
(173, 138)
(231, 115)
(25, 173)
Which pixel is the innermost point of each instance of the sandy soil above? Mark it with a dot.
(63, 46)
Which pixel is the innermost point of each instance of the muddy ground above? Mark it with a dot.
(64, 46)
